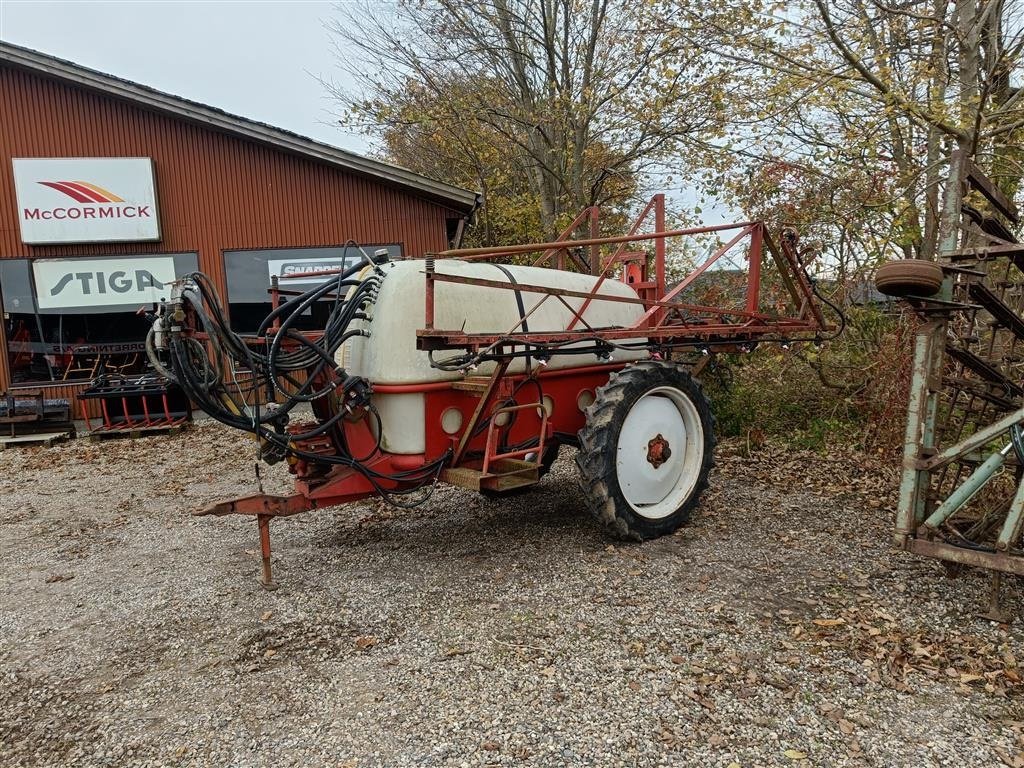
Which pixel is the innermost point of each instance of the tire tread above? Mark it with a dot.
(596, 462)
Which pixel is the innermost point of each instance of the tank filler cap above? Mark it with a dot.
(381, 256)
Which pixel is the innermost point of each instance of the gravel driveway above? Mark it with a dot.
(779, 628)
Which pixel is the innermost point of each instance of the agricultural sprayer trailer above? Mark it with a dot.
(474, 366)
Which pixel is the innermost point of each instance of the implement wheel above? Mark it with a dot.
(909, 277)
(646, 450)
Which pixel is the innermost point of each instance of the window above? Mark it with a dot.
(249, 274)
(71, 319)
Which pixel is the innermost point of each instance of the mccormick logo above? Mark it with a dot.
(83, 191)
(87, 193)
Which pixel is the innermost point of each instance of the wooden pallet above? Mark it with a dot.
(45, 439)
(136, 432)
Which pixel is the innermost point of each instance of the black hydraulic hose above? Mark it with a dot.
(201, 376)
(327, 356)
(343, 438)
(288, 306)
(313, 293)
(302, 307)
(327, 360)
(839, 313)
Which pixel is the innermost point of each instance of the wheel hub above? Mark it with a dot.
(658, 451)
(663, 427)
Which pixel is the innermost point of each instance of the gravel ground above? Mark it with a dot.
(779, 628)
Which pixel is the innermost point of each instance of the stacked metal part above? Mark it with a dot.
(962, 496)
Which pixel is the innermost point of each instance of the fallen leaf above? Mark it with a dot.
(269, 653)
(829, 622)
(795, 754)
(265, 616)
(363, 642)
(1014, 761)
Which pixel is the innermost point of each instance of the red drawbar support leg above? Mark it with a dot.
(264, 507)
(267, 579)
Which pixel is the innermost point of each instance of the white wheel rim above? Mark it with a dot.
(660, 452)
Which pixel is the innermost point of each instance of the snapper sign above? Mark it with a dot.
(86, 199)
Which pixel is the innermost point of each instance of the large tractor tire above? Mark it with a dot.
(646, 450)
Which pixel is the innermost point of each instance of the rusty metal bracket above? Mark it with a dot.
(265, 507)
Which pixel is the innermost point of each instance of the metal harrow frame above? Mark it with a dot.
(961, 497)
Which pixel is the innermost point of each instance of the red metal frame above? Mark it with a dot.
(660, 321)
(113, 424)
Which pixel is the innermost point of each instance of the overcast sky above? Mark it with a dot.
(260, 60)
(255, 59)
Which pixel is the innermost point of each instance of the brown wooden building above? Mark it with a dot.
(111, 187)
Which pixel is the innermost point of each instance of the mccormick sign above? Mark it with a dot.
(86, 199)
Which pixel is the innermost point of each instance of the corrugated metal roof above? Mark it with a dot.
(192, 111)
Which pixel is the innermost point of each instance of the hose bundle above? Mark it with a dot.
(285, 366)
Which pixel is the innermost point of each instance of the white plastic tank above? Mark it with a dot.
(389, 354)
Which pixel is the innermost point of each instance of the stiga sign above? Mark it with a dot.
(110, 283)
(86, 199)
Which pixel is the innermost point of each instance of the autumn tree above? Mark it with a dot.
(843, 117)
(852, 108)
(562, 102)
(473, 155)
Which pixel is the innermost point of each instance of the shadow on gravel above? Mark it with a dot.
(473, 522)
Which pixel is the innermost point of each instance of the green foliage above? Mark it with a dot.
(851, 391)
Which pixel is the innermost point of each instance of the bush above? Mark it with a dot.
(851, 391)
